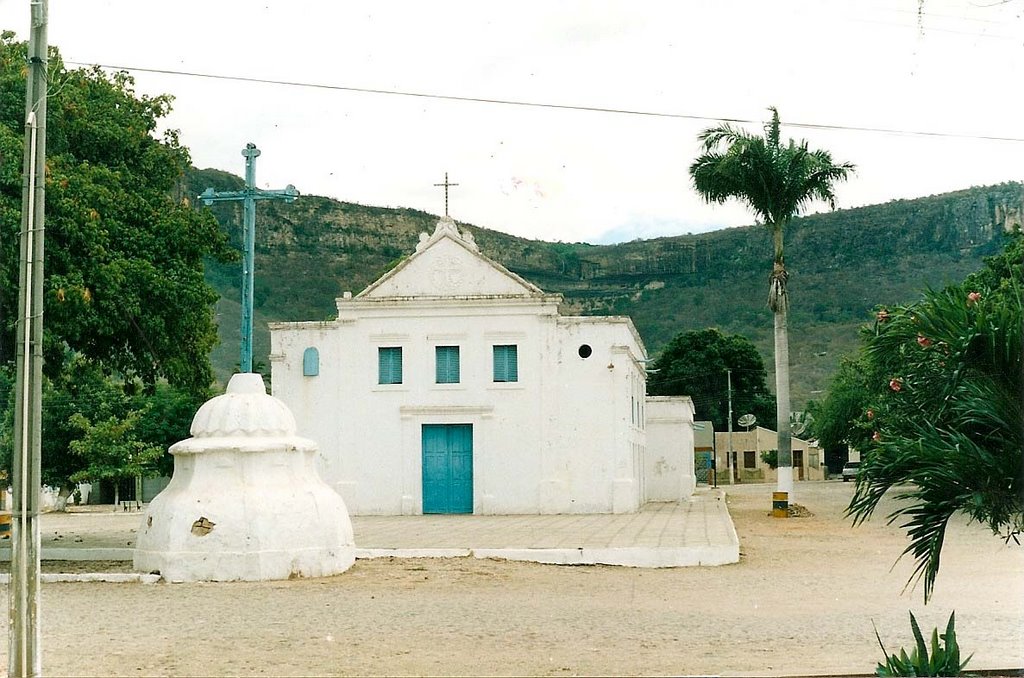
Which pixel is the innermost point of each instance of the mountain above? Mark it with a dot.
(842, 264)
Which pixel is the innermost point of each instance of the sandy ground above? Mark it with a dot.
(801, 601)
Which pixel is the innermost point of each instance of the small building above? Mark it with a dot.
(747, 465)
(452, 385)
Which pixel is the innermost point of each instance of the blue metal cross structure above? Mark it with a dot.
(249, 195)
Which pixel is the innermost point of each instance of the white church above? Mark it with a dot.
(452, 385)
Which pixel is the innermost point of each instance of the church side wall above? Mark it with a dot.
(308, 397)
(669, 465)
(597, 436)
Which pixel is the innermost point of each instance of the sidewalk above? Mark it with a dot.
(696, 532)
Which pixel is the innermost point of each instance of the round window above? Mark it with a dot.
(586, 351)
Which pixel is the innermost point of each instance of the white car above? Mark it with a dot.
(850, 470)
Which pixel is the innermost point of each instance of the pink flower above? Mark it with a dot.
(876, 436)
(973, 298)
(923, 341)
(896, 384)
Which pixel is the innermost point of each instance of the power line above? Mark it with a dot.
(539, 104)
(933, 29)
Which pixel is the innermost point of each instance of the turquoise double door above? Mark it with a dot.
(447, 468)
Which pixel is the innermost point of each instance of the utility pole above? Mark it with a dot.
(249, 195)
(24, 656)
(728, 460)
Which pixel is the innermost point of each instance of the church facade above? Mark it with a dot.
(452, 385)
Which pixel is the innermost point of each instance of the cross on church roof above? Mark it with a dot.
(446, 185)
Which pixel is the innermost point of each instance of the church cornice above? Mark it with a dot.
(548, 303)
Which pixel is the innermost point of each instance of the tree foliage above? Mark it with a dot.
(695, 363)
(128, 316)
(945, 410)
(775, 180)
(111, 448)
(839, 419)
(124, 255)
(83, 404)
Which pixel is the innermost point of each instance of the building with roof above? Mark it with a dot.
(748, 466)
(452, 385)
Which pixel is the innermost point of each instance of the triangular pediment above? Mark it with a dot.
(448, 264)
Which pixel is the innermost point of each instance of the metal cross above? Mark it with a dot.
(249, 195)
(446, 185)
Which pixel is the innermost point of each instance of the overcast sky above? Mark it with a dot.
(553, 173)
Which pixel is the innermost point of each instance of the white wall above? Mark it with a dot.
(669, 468)
(560, 439)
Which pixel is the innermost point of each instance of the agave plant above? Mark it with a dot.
(943, 661)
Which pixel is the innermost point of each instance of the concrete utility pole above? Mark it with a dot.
(24, 657)
(249, 195)
(728, 460)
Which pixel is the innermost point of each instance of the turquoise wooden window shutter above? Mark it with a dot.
(389, 365)
(447, 364)
(310, 362)
(506, 363)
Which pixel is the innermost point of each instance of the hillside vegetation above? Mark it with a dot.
(842, 265)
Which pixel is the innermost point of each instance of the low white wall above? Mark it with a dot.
(668, 466)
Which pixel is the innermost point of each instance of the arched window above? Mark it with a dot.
(310, 362)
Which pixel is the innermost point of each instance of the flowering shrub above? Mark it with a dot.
(948, 429)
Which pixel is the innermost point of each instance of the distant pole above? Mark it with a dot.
(24, 657)
(728, 459)
(249, 195)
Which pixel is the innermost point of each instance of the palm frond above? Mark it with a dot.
(771, 130)
(775, 181)
(952, 429)
(723, 134)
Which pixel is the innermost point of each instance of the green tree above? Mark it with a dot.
(111, 449)
(695, 363)
(124, 254)
(844, 417)
(776, 181)
(82, 392)
(166, 418)
(948, 391)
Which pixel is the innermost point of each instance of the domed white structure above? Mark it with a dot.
(245, 502)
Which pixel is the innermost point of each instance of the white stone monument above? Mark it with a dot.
(245, 501)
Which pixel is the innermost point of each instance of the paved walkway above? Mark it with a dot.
(695, 532)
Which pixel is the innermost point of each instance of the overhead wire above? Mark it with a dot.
(545, 105)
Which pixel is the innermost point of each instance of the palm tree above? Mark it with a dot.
(775, 181)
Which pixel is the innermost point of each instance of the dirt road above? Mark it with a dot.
(801, 601)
